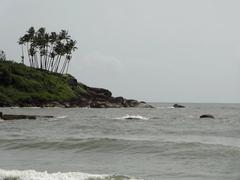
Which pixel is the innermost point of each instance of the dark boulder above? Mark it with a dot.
(131, 103)
(99, 104)
(72, 82)
(143, 104)
(178, 106)
(16, 117)
(100, 92)
(119, 100)
(207, 116)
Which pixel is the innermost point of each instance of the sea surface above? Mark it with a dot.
(162, 143)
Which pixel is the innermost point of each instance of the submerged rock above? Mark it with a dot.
(178, 106)
(8, 117)
(16, 117)
(207, 116)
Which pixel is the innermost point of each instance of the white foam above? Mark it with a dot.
(164, 107)
(133, 117)
(34, 175)
(61, 117)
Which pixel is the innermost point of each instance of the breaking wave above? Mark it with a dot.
(35, 175)
(61, 117)
(137, 117)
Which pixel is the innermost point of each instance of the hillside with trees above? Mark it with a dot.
(25, 86)
(41, 79)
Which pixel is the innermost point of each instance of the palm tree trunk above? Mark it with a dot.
(32, 61)
(58, 63)
(55, 64)
(64, 66)
(22, 54)
(52, 64)
(48, 57)
(29, 58)
(40, 61)
(36, 60)
(67, 66)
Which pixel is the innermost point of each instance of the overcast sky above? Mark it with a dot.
(152, 50)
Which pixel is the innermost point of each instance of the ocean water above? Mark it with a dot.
(117, 144)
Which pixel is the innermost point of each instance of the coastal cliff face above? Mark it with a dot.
(25, 87)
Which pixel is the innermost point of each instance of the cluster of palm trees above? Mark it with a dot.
(48, 51)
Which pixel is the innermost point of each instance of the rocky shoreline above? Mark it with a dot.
(94, 98)
(100, 98)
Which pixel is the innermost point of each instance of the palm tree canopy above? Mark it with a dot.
(31, 32)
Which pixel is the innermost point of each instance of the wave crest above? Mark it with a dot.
(35, 175)
(137, 117)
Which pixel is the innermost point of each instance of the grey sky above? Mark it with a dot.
(152, 50)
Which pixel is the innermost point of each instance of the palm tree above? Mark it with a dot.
(30, 36)
(51, 61)
(68, 61)
(32, 53)
(21, 42)
(40, 41)
(34, 44)
(69, 48)
(25, 39)
(60, 51)
(2, 55)
(51, 55)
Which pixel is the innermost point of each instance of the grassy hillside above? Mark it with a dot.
(20, 85)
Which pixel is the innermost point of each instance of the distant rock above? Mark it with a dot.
(178, 106)
(207, 116)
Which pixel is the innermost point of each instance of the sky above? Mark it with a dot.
(151, 50)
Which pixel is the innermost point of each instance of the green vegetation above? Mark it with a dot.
(48, 51)
(22, 85)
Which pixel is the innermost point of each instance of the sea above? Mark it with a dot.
(161, 143)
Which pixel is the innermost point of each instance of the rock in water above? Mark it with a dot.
(207, 116)
(16, 117)
(178, 106)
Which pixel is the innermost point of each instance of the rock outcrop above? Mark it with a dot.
(178, 106)
(101, 98)
(207, 116)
